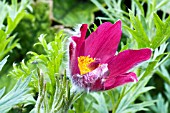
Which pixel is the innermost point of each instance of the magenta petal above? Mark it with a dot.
(126, 60)
(83, 30)
(113, 82)
(73, 59)
(80, 40)
(76, 48)
(92, 81)
(104, 41)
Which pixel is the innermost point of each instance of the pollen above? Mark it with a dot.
(83, 64)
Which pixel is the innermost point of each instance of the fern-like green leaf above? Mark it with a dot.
(18, 94)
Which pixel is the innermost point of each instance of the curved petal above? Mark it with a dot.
(80, 40)
(76, 48)
(103, 42)
(126, 60)
(113, 82)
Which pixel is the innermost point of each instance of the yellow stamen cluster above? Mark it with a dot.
(83, 62)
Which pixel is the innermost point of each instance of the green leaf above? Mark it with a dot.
(137, 107)
(3, 41)
(2, 63)
(17, 95)
(3, 13)
(101, 7)
(162, 31)
(140, 7)
(150, 68)
(164, 74)
(78, 103)
(71, 111)
(100, 106)
(43, 42)
(167, 91)
(159, 56)
(163, 5)
(12, 23)
(73, 12)
(126, 100)
(2, 91)
(161, 105)
(138, 33)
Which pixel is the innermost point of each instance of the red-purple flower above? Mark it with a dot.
(94, 65)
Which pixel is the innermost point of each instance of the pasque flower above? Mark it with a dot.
(93, 63)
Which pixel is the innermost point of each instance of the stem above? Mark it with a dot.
(42, 88)
(120, 98)
(38, 104)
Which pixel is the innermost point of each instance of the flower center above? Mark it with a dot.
(86, 64)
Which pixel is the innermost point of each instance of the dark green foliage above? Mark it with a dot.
(73, 12)
(30, 29)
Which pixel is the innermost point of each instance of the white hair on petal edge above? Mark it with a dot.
(72, 41)
(134, 80)
(76, 88)
(105, 68)
(68, 70)
(77, 31)
(68, 58)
